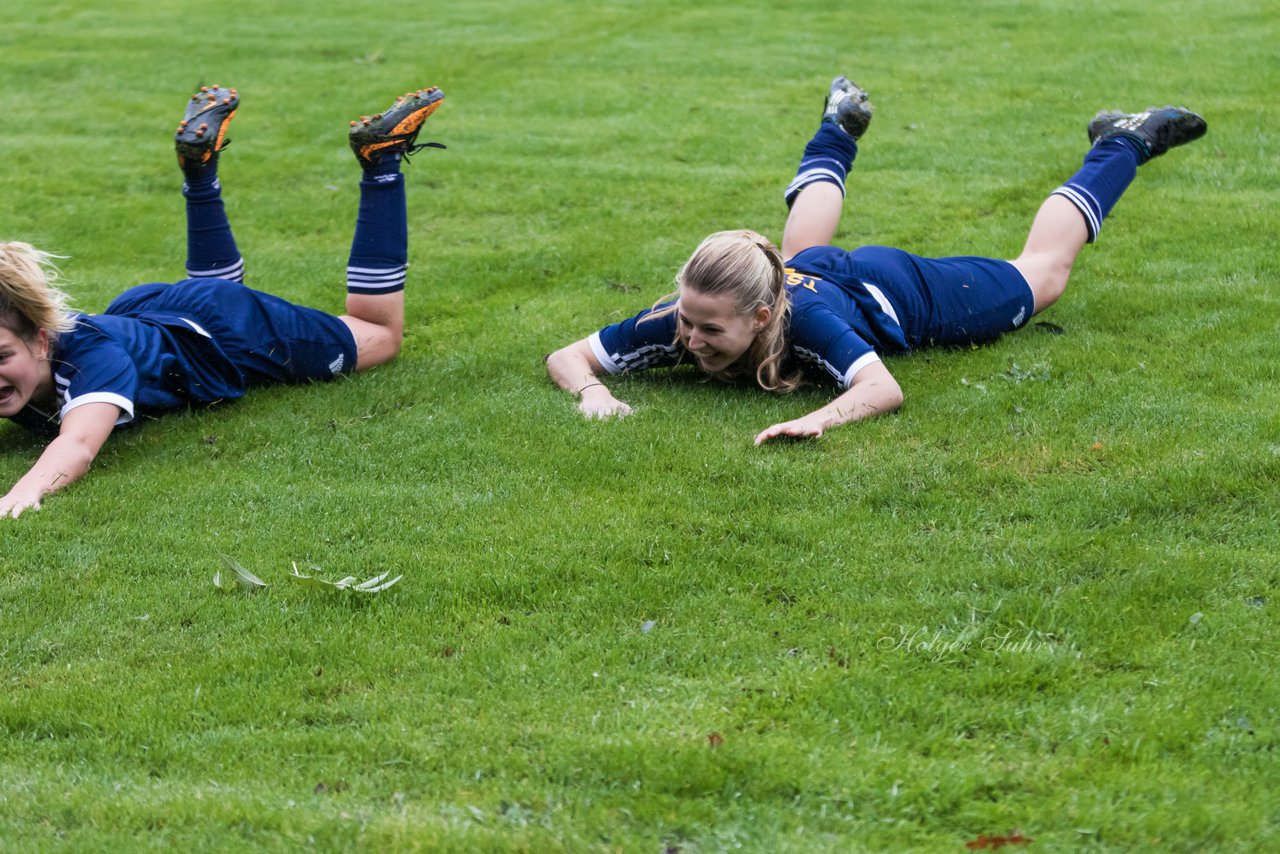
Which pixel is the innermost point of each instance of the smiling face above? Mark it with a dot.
(25, 371)
(712, 329)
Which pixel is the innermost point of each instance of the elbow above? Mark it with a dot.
(555, 361)
(894, 401)
(885, 396)
(571, 363)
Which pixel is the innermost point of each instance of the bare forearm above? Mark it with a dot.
(874, 392)
(65, 461)
(67, 458)
(575, 369)
(862, 401)
(569, 369)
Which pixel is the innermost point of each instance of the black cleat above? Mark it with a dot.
(202, 132)
(396, 129)
(1156, 130)
(847, 106)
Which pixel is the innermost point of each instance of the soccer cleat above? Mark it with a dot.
(396, 129)
(202, 132)
(848, 107)
(1156, 130)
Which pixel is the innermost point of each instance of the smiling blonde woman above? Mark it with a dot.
(743, 308)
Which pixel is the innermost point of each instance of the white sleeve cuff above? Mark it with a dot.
(125, 404)
(602, 357)
(867, 359)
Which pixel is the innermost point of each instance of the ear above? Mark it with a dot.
(763, 315)
(40, 347)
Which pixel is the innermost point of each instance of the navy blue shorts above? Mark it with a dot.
(946, 301)
(269, 339)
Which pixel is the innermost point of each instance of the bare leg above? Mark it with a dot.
(1072, 216)
(1057, 235)
(211, 247)
(377, 322)
(814, 217)
(379, 261)
(816, 194)
(378, 265)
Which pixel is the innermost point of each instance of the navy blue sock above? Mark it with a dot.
(828, 157)
(380, 248)
(388, 164)
(211, 247)
(1108, 169)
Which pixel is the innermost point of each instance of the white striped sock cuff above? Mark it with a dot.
(1086, 204)
(231, 272)
(376, 280)
(813, 175)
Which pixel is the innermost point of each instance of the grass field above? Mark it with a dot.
(1041, 598)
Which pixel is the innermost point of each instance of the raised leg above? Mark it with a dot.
(1073, 215)
(816, 194)
(200, 138)
(814, 217)
(1057, 235)
(378, 264)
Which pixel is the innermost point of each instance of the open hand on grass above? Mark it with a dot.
(874, 391)
(576, 369)
(810, 426)
(16, 503)
(599, 402)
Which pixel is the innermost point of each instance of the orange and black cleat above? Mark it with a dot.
(202, 132)
(396, 129)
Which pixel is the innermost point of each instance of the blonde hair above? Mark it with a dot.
(29, 301)
(749, 267)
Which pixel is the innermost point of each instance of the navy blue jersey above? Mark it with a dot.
(160, 347)
(834, 330)
(957, 300)
(837, 328)
(848, 308)
(140, 363)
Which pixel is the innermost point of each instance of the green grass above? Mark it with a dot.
(1042, 596)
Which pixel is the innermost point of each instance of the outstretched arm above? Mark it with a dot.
(577, 370)
(874, 391)
(67, 458)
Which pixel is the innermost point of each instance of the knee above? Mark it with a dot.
(1049, 290)
(375, 344)
(391, 348)
(1046, 276)
(389, 342)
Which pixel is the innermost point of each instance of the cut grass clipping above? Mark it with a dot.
(240, 578)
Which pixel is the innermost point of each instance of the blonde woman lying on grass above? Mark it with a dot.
(207, 338)
(745, 309)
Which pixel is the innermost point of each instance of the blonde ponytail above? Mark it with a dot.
(29, 301)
